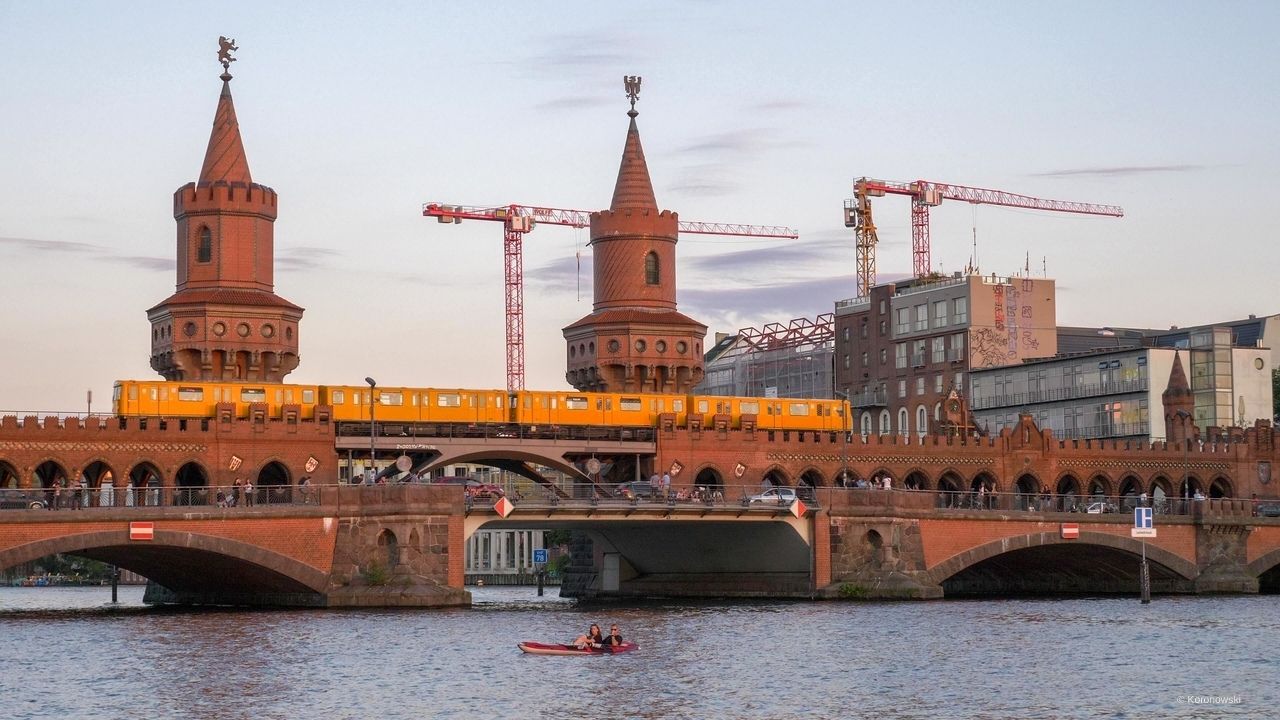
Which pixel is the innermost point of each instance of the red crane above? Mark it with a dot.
(519, 219)
(924, 195)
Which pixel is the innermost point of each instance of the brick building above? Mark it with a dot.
(901, 350)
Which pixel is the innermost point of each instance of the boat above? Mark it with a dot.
(535, 648)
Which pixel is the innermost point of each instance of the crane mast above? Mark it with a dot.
(519, 219)
(924, 195)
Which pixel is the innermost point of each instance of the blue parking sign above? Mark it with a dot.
(540, 555)
(1142, 518)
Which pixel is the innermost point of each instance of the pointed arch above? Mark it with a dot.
(1099, 485)
(1220, 488)
(652, 269)
(9, 477)
(204, 245)
(916, 479)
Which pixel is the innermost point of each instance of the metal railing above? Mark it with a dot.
(1055, 394)
(497, 431)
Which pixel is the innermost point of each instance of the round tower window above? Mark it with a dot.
(219, 329)
(268, 331)
(243, 329)
(614, 346)
(682, 347)
(189, 329)
(660, 346)
(641, 345)
(1258, 363)
(591, 347)
(573, 351)
(288, 333)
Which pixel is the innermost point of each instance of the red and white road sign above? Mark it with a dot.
(798, 508)
(142, 531)
(504, 507)
(1070, 531)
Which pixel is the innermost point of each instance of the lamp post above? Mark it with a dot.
(844, 439)
(373, 423)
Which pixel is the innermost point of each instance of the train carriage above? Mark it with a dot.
(163, 398)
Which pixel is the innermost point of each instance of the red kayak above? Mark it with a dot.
(558, 649)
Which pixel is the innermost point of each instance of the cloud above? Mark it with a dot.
(779, 105)
(733, 308)
(562, 274)
(772, 258)
(144, 263)
(740, 141)
(580, 102)
(1120, 171)
(51, 245)
(301, 257)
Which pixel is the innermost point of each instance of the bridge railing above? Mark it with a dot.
(1120, 507)
(496, 431)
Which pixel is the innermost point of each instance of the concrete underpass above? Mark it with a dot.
(1061, 569)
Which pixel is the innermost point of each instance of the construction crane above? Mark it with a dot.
(924, 195)
(519, 219)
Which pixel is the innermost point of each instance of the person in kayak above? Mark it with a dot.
(614, 638)
(593, 638)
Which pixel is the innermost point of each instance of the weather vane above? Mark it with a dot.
(225, 47)
(632, 84)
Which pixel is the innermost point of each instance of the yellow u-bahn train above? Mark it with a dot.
(456, 405)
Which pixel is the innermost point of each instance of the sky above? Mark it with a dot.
(750, 112)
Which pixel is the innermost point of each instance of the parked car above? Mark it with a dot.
(1269, 510)
(634, 489)
(473, 488)
(11, 498)
(774, 496)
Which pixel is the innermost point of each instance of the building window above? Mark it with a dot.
(881, 307)
(922, 317)
(902, 388)
(917, 354)
(960, 382)
(884, 356)
(962, 311)
(902, 422)
(651, 274)
(937, 409)
(204, 253)
(940, 314)
(904, 321)
(846, 334)
(884, 422)
(920, 385)
(900, 355)
(937, 383)
(866, 423)
(957, 348)
(883, 328)
(939, 350)
(865, 362)
(922, 421)
(846, 361)
(862, 332)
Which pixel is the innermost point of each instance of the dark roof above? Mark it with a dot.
(1244, 333)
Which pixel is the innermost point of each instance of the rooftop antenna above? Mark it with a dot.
(975, 237)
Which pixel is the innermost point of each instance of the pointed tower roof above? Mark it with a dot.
(634, 190)
(1177, 376)
(224, 160)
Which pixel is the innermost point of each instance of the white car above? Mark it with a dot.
(1099, 507)
(775, 496)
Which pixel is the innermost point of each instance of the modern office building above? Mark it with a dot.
(1116, 392)
(900, 351)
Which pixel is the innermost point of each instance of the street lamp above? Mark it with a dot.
(844, 439)
(373, 423)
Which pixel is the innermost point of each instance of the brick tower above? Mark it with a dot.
(1179, 405)
(225, 322)
(634, 340)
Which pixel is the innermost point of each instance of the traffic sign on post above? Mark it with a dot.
(1143, 518)
(540, 555)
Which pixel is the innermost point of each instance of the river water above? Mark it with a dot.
(66, 653)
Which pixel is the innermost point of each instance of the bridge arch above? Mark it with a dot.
(1267, 569)
(1163, 484)
(192, 483)
(8, 475)
(1220, 488)
(146, 479)
(1172, 570)
(390, 547)
(183, 561)
(984, 478)
(708, 476)
(503, 459)
(950, 480)
(1067, 484)
(879, 474)
(99, 477)
(1100, 484)
(916, 479)
(48, 473)
(1190, 485)
(274, 482)
(1130, 484)
(812, 477)
(776, 476)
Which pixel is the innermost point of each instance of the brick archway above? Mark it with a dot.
(292, 575)
(965, 560)
(1264, 563)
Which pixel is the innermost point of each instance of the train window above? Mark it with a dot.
(677, 405)
(750, 408)
(308, 397)
(768, 409)
(191, 394)
(555, 403)
(253, 395)
(391, 398)
(355, 397)
(155, 393)
(449, 400)
(338, 397)
(608, 403)
(702, 406)
(115, 393)
(799, 409)
(577, 402)
(630, 404)
(279, 396)
(473, 401)
(497, 401)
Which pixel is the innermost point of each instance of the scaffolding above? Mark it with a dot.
(792, 360)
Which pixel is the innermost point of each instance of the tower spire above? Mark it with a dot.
(634, 189)
(224, 160)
